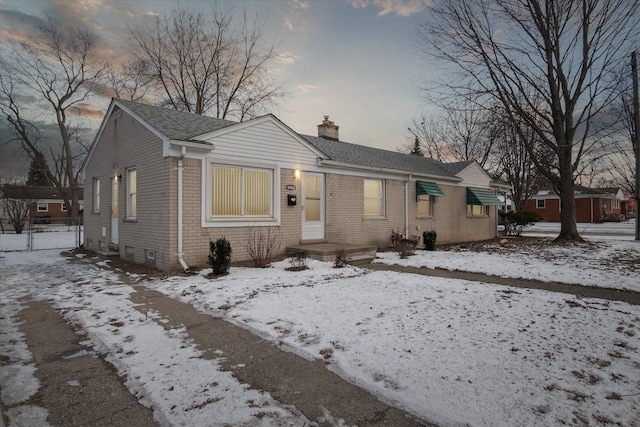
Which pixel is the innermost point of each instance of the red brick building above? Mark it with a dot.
(46, 203)
(592, 204)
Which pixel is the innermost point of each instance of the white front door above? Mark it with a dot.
(114, 211)
(312, 206)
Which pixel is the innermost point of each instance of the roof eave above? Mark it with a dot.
(351, 166)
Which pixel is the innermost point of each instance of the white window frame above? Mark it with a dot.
(484, 214)
(432, 201)
(544, 203)
(132, 194)
(382, 197)
(63, 207)
(43, 207)
(96, 195)
(209, 220)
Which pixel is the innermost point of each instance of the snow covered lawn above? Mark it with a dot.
(451, 351)
(605, 263)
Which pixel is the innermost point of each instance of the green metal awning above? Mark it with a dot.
(482, 197)
(428, 188)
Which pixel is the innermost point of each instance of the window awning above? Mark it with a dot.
(428, 188)
(482, 197)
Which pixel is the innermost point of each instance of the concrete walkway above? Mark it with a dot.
(77, 387)
(289, 378)
(630, 297)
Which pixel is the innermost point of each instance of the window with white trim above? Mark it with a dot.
(477, 210)
(43, 207)
(96, 194)
(240, 192)
(63, 207)
(425, 205)
(540, 203)
(374, 197)
(132, 194)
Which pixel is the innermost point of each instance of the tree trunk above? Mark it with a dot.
(568, 228)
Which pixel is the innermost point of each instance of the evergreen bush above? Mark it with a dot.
(430, 240)
(220, 256)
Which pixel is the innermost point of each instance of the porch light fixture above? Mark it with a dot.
(297, 173)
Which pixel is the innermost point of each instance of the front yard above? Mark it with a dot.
(450, 351)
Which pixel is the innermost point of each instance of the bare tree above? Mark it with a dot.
(460, 132)
(619, 149)
(15, 206)
(207, 64)
(513, 162)
(560, 52)
(61, 69)
(132, 82)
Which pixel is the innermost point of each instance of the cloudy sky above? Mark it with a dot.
(353, 60)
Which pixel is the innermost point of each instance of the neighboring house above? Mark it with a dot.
(46, 203)
(592, 204)
(162, 184)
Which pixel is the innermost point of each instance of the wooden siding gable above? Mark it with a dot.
(264, 140)
(474, 176)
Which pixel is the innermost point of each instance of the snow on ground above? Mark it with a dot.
(605, 262)
(454, 352)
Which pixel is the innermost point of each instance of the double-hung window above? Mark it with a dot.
(96, 194)
(373, 197)
(540, 203)
(43, 207)
(241, 192)
(132, 194)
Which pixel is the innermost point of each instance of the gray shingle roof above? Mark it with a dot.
(185, 126)
(179, 125)
(361, 155)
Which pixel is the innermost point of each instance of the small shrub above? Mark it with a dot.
(262, 243)
(515, 222)
(404, 246)
(341, 259)
(429, 238)
(220, 256)
(298, 262)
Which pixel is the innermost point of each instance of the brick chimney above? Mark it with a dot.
(328, 129)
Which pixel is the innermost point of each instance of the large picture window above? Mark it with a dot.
(374, 197)
(132, 194)
(238, 191)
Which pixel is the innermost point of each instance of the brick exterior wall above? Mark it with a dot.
(587, 209)
(126, 144)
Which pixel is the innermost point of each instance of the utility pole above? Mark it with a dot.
(636, 142)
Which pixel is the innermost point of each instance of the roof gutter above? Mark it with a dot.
(341, 165)
(197, 146)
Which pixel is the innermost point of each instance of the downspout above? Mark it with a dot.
(406, 206)
(184, 265)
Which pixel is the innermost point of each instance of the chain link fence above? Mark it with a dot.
(42, 233)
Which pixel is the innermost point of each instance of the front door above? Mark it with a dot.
(312, 206)
(114, 211)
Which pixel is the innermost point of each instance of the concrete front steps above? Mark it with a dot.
(324, 251)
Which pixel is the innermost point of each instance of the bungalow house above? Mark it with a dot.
(46, 204)
(162, 184)
(592, 204)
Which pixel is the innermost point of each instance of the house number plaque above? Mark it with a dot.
(291, 187)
